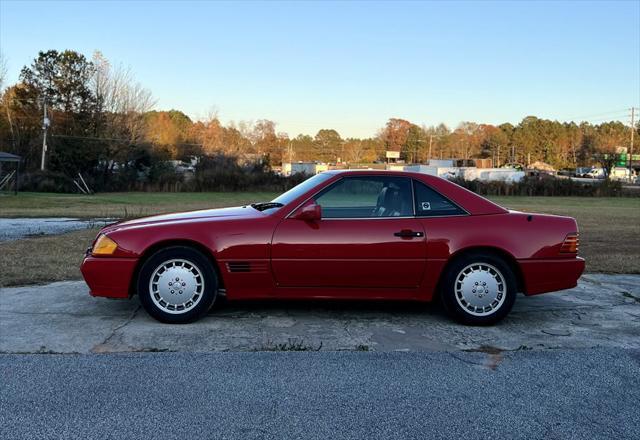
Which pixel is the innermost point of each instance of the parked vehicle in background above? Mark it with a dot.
(344, 235)
(514, 165)
(596, 173)
(620, 173)
(566, 173)
(582, 171)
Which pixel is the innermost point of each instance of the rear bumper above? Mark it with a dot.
(549, 275)
(108, 277)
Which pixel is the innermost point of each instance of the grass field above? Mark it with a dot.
(119, 205)
(609, 227)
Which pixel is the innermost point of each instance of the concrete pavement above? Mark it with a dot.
(563, 365)
(603, 311)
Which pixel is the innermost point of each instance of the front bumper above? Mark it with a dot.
(109, 277)
(549, 275)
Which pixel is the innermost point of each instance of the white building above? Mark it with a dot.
(308, 168)
(441, 169)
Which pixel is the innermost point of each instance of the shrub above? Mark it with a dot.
(224, 173)
(46, 181)
(546, 186)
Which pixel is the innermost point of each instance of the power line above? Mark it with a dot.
(90, 138)
(598, 114)
(93, 138)
(598, 121)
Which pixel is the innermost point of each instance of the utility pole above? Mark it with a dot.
(430, 144)
(45, 127)
(633, 130)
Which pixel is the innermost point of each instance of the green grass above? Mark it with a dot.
(119, 205)
(609, 227)
(553, 203)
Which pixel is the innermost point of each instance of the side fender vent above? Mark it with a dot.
(239, 266)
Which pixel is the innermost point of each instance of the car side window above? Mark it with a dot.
(367, 197)
(431, 203)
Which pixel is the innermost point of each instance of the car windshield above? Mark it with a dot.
(301, 188)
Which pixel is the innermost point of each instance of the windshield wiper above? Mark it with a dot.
(266, 205)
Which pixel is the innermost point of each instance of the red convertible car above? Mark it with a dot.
(342, 235)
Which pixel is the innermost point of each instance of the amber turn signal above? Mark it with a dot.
(570, 244)
(104, 246)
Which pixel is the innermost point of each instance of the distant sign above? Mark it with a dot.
(393, 155)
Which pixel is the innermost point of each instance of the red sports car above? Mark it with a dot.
(342, 235)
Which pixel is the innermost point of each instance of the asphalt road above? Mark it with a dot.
(568, 394)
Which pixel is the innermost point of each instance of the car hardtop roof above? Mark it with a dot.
(419, 176)
(372, 171)
(470, 201)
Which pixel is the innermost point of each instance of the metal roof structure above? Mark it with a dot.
(8, 157)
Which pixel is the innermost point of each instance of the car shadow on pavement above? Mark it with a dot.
(329, 307)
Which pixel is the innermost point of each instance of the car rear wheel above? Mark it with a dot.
(479, 289)
(177, 285)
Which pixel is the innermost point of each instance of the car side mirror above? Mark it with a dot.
(311, 212)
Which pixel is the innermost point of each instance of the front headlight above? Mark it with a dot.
(104, 246)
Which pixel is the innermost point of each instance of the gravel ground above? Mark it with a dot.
(17, 228)
(568, 394)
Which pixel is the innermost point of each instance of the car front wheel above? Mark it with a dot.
(479, 289)
(177, 285)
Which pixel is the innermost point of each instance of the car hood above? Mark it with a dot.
(205, 214)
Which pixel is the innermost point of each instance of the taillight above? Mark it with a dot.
(570, 244)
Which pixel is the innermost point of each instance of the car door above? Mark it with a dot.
(367, 237)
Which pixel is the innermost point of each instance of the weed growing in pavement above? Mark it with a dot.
(292, 344)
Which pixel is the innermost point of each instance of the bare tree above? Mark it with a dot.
(121, 100)
(121, 104)
(3, 70)
(354, 150)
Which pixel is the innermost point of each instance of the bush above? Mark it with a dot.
(46, 181)
(546, 186)
(147, 170)
(224, 173)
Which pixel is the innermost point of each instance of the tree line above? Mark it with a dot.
(102, 119)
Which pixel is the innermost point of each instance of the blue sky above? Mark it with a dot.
(353, 65)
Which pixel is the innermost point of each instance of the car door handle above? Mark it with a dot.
(408, 233)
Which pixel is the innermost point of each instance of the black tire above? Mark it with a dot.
(453, 303)
(206, 293)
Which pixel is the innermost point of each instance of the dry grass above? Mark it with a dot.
(43, 259)
(609, 228)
